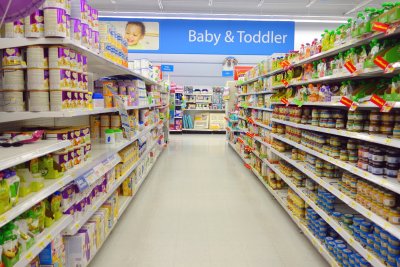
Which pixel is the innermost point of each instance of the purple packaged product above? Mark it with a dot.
(73, 59)
(62, 160)
(90, 37)
(84, 64)
(12, 56)
(68, 25)
(95, 17)
(70, 211)
(85, 34)
(87, 244)
(76, 29)
(96, 40)
(74, 83)
(71, 156)
(71, 135)
(79, 62)
(59, 57)
(85, 82)
(60, 79)
(34, 24)
(81, 103)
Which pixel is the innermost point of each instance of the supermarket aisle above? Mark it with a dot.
(201, 207)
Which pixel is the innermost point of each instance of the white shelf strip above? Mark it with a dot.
(259, 108)
(209, 110)
(373, 138)
(124, 203)
(257, 123)
(11, 156)
(280, 196)
(338, 49)
(43, 239)
(331, 186)
(73, 228)
(27, 115)
(347, 236)
(388, 183)
(257, 93)
(96, 62)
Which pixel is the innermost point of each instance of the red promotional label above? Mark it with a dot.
(349, 103)
(380, 27)
(285, 64)
(285, 101)
(383, 64)
(350, 67)
(251, 135)
(250, 120)
(247, 166)
(381, 103)
(285, 83)
(248, 149)
(240, 140)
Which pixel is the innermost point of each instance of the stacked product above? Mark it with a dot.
(113, 45)
(145, 68)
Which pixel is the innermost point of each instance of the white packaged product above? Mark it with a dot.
(34, 24)
(36, 57)
(38, 79)
(55, 22)
(54, 3)
(60, 79)
(15, 29)
(60, 100)
(145, 72)
(38, 100)
(13, 101)
(13, 79)
(144, 63)
(59, 57)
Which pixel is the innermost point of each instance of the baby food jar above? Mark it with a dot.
(394, 216)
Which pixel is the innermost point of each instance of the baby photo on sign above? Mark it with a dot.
(140, 35)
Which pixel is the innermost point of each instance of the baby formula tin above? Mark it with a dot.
(60, 79)
(13, 79)
(38, 79)
(55, 22)
(76, 30)
(37, 57)
(34, 24)
(85, 35)
(15, 29)
(59, 57)
(60, 100)
(13, 101)
(38, 100)
(68, 25)
(12, 57)
(55, 4)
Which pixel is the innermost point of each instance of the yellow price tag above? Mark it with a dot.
(351, 241)
(352, 204)
(328, 219)
(388, 141)
(49, 237)
(3, 218)
(29, 256)
(77, 226)
(369, 256)
(41, 245)
(60, 183)
(369, 214)
(386, 225)
(384, 182)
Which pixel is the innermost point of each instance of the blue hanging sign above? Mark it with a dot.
(167, 68)
(218, 37)
(227, 73)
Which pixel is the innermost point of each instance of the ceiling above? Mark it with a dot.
(324, 10)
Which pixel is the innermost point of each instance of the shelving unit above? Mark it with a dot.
(254, 102)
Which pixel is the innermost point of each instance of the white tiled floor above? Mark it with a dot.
(201, 207)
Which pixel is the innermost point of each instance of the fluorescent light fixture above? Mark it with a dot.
(210, 2)
(260, 3)
(360, 5)
(312, 2)
(205, 16)
(160, 5)
(113, 2)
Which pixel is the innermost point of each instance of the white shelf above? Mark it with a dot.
(11, 156)
(280, 196)
(73, 228)
(257, 123)
(373, 138)
(43, 239)
(367, 73)
(347, 236)
(331, 186)
(27, 115)
(338, 49)
(388, 183)
(124, 203)
(203, 130)
(259, 108)
(257, 93)
(96, 63)
(209, 110)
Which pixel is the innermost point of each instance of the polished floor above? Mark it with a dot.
(201, 207)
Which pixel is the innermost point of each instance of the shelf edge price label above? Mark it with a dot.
(251, 135)
(383, 64)
(350, 67)
(285, 83)
(285, 101)
(352, 105)
(285, 64)
(381, 103)
(247, 166)
(380, 27)
(250, 120)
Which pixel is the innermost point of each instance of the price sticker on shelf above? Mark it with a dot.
(351, 241)
(383, 64)
(3, 218)
(369, 256)
(77, 226)
(386, 225)
(352, 204)
(350, 67)
(380, 27)
(247, 166)
(285, 83)
(352, 105)
(285, 101)
(381, 103)
(49, 237)
(285, 64)
(250, 120)
(41, 245)
(29, 256)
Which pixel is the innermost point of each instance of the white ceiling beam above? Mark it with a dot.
(357, 7)
(312, 2)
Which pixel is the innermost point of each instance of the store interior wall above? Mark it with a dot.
(192, 69)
